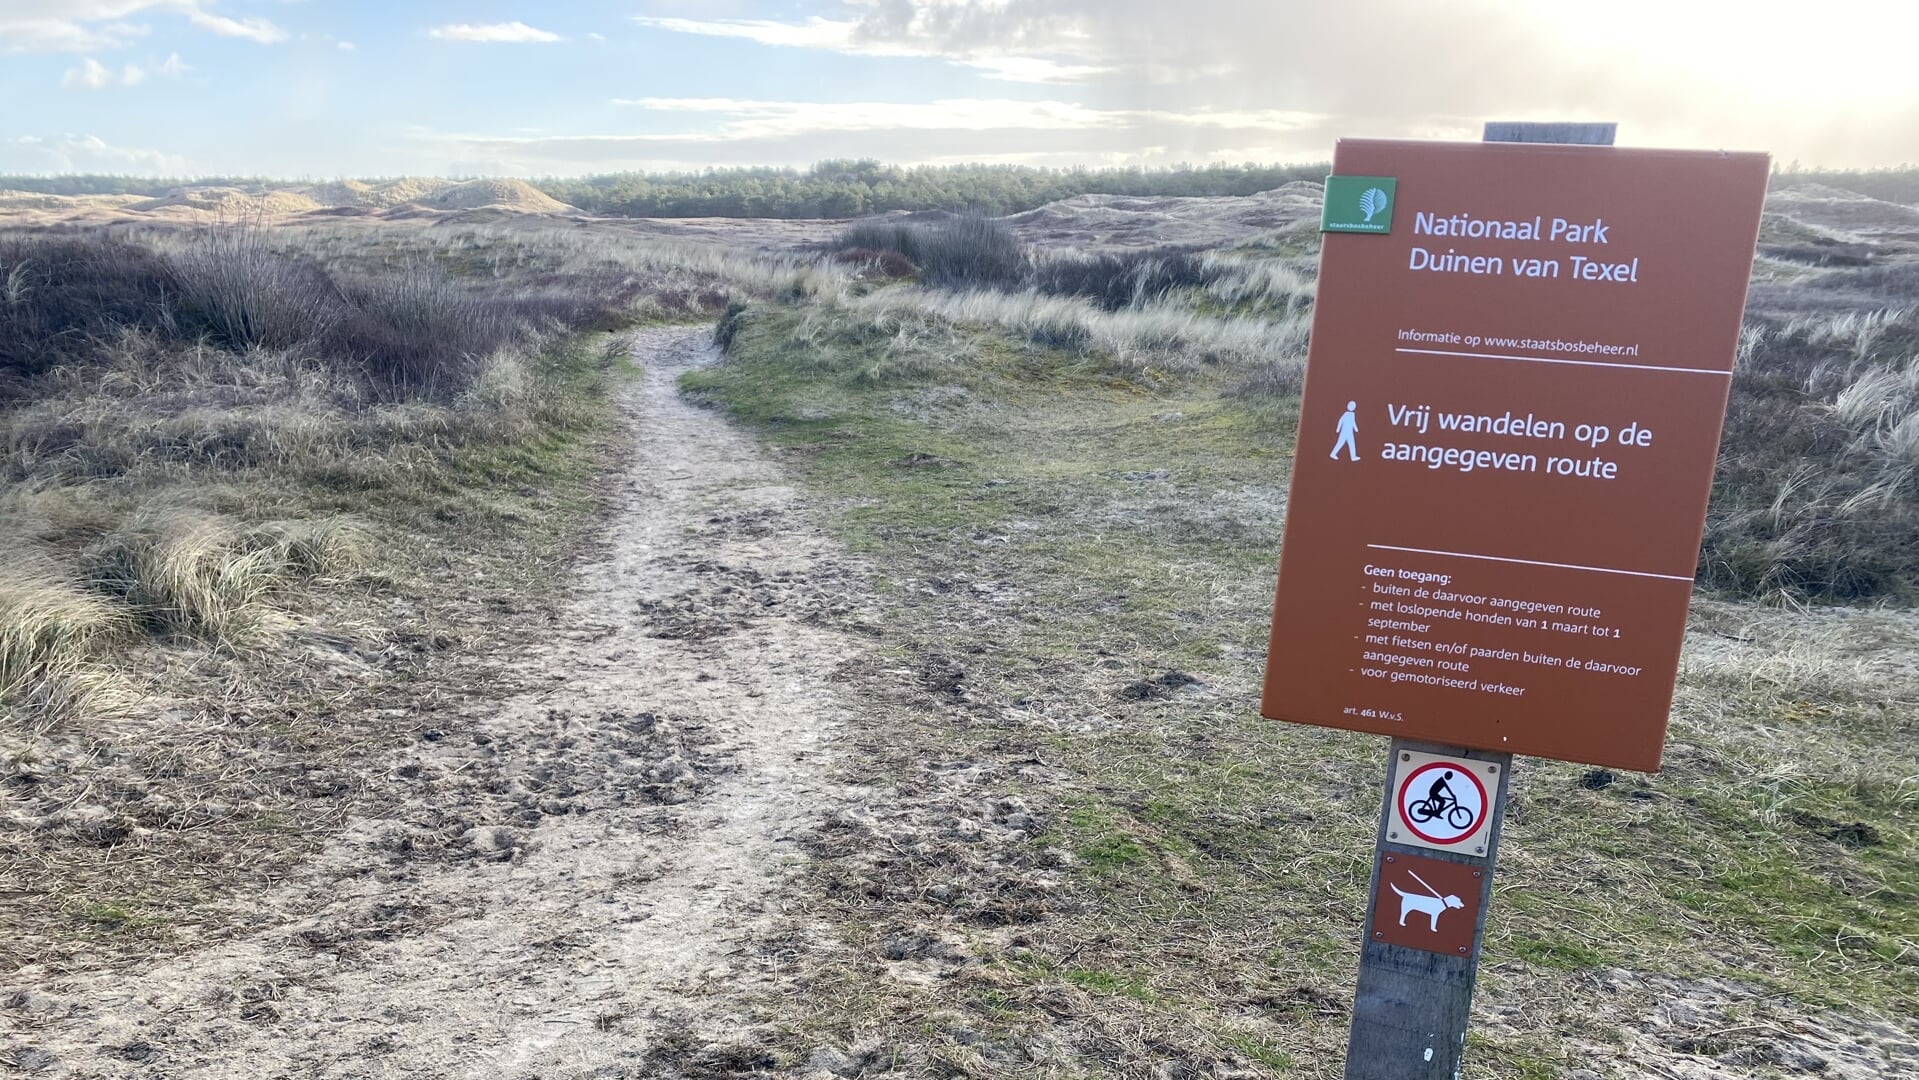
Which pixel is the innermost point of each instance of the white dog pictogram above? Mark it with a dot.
(1434, 905)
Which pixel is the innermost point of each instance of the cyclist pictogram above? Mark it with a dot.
(1441, 803)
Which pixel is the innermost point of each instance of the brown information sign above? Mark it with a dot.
(1427, 904)
(1513, 402)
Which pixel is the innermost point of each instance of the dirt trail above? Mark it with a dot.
(571, 882)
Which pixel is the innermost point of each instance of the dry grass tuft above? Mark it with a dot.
(1172, 336)
(326, 547)
(1817, 492)
(50, 629)
(182, 571)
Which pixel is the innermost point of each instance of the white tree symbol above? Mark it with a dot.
(1371, 202)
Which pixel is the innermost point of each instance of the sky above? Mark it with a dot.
(329, 88)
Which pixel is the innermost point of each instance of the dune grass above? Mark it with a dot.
(269, 499)
(1078, 557)
(200, 424)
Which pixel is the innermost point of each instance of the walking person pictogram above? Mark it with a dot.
(1348, 426)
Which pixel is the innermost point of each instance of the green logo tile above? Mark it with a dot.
(1362, 204)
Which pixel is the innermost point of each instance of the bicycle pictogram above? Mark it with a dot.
(1441, 803)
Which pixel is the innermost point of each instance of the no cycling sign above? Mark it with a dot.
(1443, 803)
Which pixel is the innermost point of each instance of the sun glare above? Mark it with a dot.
(1849, 54)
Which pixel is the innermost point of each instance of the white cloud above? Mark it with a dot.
(85, 153)
(258, 30)
(47, 33)
(90, 26)
(1005, 60)
(750, 119)
(767, 119)
(93, 75)
(814, 33)
(345, 46)
(90, 75)
(759, 132)
(1371, 61)
(491, 32)
(1034, 69)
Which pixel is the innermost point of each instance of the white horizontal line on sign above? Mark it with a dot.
(1552, 360)
(1531, 562)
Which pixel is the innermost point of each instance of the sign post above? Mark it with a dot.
(1520, 358)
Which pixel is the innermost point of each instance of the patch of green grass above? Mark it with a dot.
(1530, 1056)
(100, 914)
(994, 1003)
(1040, 968)
(1107, 982)
(118, 918)
(1078, 537)
(1257, 1049)
(1111, 853)
(1562, 954)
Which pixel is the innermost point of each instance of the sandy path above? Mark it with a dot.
(573, 881)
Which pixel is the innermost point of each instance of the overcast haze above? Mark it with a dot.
(320, 88)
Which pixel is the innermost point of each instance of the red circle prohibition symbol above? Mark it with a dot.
(1405, 819)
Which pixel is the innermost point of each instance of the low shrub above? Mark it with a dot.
(964, 251)
(971, 251)
(900, 239)
(62, 295)
(729, 325)
(236, 289)
(415, 332)
(1116, 280)
(880, 263)
(406, 331)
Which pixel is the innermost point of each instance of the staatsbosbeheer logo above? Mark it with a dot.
(1361, 204)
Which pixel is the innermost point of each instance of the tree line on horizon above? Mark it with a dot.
(849, 188)
(839, 189)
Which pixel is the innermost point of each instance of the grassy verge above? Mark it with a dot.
(1106, 860)
(257, 633)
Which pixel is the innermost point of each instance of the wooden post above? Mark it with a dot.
(1411, 1007)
